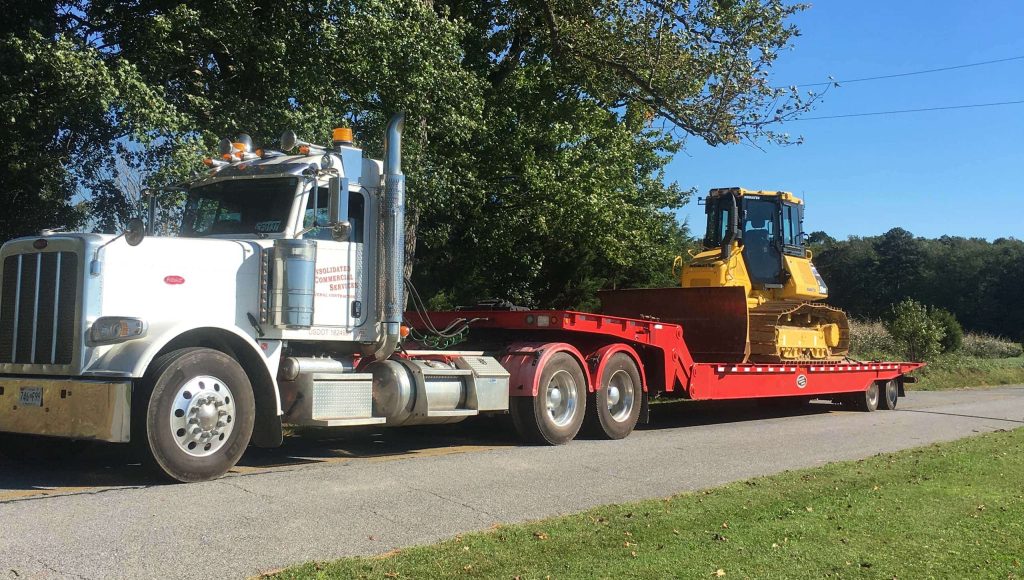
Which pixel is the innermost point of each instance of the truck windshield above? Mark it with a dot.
(242, 206)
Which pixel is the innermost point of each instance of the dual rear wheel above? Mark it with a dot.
(563, 406)
(880, 395)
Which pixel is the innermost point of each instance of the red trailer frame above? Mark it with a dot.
(659, 349)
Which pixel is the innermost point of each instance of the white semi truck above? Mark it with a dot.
(287, 273)
(281, 302)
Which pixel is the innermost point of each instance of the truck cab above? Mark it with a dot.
(279, 301)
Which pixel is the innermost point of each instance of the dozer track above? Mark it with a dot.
(789, 332)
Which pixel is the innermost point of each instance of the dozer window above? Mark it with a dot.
(719, 213)
(792, 232)
(759, 222)
(760, 245)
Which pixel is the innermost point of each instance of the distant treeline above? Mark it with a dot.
(980, 282)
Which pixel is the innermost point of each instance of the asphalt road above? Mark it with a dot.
(374, 491)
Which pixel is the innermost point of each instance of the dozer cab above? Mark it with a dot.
(747, 295)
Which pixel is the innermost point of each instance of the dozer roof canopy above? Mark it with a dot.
(739, 191)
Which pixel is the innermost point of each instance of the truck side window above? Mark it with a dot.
(356, 208)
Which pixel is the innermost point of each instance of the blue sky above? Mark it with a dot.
(958, 172)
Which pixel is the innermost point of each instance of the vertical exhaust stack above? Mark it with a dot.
(392, 266)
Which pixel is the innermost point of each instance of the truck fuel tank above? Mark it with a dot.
(432, 391)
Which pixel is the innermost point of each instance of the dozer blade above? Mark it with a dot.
(714, 320)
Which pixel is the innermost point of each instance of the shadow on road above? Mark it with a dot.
(99, 467)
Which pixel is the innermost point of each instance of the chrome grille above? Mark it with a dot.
(37, 308)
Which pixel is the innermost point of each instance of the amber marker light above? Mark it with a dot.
(342, 135)
(404, 331)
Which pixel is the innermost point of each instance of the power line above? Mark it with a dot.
(907, 74)
(910, 111)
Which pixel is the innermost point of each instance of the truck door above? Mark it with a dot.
(340, 299)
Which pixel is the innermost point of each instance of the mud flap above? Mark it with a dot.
(714, 320)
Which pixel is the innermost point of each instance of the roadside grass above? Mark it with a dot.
(982, 361)
(948, 510)
(955, 372)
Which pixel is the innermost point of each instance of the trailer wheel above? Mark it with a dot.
(194, 414)
(889, 395)
(555, 414)
(613, 409)
(866, 400)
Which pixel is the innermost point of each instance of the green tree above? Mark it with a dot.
(538, 131)
(900, 266)
(916, 333)
(952, 332)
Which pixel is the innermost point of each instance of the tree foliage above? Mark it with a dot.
(915, 333)
(980, 283)
(537, 133)
(952, 332)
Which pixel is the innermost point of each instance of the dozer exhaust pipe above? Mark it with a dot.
(392, 262)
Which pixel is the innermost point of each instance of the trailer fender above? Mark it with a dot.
(525, 360)
(599, 359)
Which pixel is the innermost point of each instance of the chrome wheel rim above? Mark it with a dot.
(562, 398)
(891, 393)
(202, 416)
(620, 395)
(872, 396)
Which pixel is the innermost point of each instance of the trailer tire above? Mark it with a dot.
(555, 414)
(614, 406)
(866, 400)
(889, 394)
(193, 415)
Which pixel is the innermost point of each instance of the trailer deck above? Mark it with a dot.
(660, 351)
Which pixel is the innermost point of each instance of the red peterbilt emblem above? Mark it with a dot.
(174, 280)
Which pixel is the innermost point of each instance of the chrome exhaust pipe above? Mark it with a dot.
(392, 264)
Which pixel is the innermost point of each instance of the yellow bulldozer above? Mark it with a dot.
(747, 296)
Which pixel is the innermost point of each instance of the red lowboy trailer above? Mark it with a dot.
(555, 358)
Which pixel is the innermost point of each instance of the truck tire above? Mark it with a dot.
(614, 407)
(554, 416)
(193, 414)
(889, 394)
(866, 400)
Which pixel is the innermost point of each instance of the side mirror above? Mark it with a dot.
(134, 232)
(341, 231)
(337, 206)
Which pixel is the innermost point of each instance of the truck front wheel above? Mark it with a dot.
(193, 415)
(554, 416)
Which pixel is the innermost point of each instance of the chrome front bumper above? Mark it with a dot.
(71, 408)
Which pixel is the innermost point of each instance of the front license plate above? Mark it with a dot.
(31, 397)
